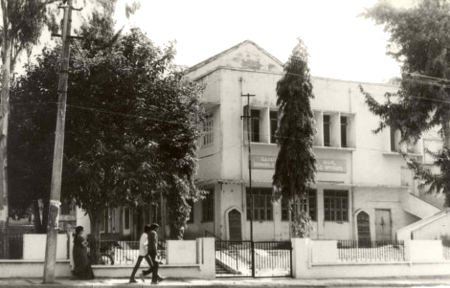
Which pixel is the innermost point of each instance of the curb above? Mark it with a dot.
(234, 283)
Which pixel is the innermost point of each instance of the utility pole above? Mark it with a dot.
(248, 116)
(55, 193)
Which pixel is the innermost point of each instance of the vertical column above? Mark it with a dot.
(320, 214)
(207, 257)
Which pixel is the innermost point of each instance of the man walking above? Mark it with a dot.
(143, 254)
(153, 252)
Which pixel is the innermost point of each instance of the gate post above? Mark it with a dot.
(301, 251)
(207, 257)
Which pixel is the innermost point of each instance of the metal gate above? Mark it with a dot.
(271, 259)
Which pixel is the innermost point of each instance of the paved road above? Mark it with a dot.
(440, 282)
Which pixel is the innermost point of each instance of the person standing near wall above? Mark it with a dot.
(143, 254)
(82, 266)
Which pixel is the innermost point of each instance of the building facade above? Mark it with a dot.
(363, 188)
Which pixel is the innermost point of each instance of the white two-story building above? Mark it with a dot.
(363, 188)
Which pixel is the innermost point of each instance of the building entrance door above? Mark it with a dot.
(383, 225)
(235, 225)
(363, 223)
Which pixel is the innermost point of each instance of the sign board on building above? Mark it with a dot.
(331, 165)
(263, 162)
(323, 165)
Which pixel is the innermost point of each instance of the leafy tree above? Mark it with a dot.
(31, 144)
(131, 121)
(27, 184)
(295, 166)
(422, 35)
(31, 141)
(22, 24)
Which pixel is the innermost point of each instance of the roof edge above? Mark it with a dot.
(212, 58)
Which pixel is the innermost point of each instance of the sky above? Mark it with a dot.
(341, 45)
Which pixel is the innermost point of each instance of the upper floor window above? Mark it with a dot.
(254, 125)
(336, 205)
(273, 126)
(394, 142)
(396, 146)
(309, 205)
(326, 130)
(208, 207)
(208, 130)
(344, 132)
(262, 204)
(335, 129)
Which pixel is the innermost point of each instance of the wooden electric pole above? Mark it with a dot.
(248, 116)
(55, 193)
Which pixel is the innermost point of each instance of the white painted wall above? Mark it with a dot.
(435, 230)
(425, 250)
(324, 251)
(34, 246)
(31, 269)
(417, 206)
(431, 228)
(181, 252)
(420, 265)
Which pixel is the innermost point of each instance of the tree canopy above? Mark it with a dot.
(421, 37)
(131, 125)
(295, 166)
(21, 27)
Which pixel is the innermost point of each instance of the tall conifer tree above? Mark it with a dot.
(295, 166)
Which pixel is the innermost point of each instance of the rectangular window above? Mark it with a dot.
(254, 126)
(309, 204)
(190, 202)
(208, 207)
(336, 205)
(284, 210)
(208, 131)
(312, 204)
(326, 130)
(344, 124)
(262, 204)
(273, 126)
(393, 141)
(126, 218)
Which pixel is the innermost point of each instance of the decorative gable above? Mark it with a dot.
(246, 56)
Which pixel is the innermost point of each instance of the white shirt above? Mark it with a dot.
(143, 244)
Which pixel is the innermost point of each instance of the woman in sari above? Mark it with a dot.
(82, 266)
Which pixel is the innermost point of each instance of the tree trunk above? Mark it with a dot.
(37, 218)
(4, 122)
(94, 238)
(163, 214)
(290, 207)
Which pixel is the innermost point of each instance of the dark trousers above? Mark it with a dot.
(155, 267)
(146, 272)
